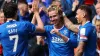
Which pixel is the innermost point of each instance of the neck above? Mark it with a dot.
(84, 21)
(8, 19)
(59, 25)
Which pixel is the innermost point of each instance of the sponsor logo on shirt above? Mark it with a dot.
(57, 40)
(11, 26)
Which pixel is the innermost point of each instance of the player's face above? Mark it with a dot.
(2, 18)
(98, 26)
(23, 7)
(54, 17)
(79, 16)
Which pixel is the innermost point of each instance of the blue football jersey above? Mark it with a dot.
(26, 17)
(87, 33)
(57, 46)
(14, 37)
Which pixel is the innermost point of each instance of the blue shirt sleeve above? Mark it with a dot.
(45, 33)
(84, 33)
(31, 28)
(73, 40)
(48, 28)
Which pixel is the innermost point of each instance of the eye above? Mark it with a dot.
(52, 16)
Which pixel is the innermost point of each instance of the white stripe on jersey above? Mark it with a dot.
(82, 31)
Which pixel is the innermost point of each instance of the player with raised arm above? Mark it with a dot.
(14, 34)
(61, 41)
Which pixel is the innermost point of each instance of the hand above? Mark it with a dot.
(56, 31)
(35, 6)
(40, 40)
(41, 9)
(75, 3)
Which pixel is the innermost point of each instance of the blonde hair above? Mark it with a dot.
(54, 7)
(97, 22)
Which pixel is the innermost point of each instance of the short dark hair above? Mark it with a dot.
(10, 9)
(87, 10)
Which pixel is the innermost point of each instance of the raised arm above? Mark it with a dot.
(36, 17)
(74, 5)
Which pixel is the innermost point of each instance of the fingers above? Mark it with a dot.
(40, 9)
(35, 6)
(76, 2)
(54, 31)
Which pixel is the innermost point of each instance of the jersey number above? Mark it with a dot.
(16, 41)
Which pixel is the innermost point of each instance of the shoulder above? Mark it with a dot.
(3, 25)
(87, 29)
(25, 23)
(48, 27)
(88, 26)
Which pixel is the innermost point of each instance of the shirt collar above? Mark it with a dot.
(86, 22)
(11, 20)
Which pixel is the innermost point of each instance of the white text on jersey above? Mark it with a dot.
(10, 31)
(11, 26)
(57, 40)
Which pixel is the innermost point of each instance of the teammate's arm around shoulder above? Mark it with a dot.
(70, 25)
(40, 26)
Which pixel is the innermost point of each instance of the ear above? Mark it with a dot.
(83, 14)
(19, 7)
(60, 15)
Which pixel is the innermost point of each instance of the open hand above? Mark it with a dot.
(35, 6)
(75, 3)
